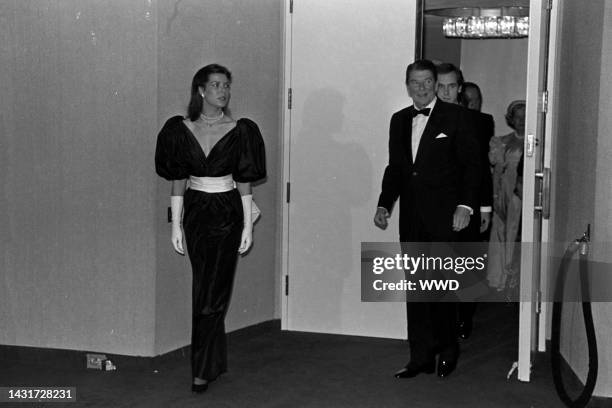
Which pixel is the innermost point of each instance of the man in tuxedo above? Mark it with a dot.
(434, 168)
(471, 98)
(450, 87)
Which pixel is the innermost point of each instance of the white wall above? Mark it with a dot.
(78, 113)
(581, 177)
(86, 261)
(602, 312)
(348, 79)
(499, 68)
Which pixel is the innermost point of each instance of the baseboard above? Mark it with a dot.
(75, 359)
(573, 382)
(600, 402)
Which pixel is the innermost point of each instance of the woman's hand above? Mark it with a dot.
(247, 239)
(176, 209)
(247, 230)
(177, 238)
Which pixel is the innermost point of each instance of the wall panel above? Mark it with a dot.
(80, 251)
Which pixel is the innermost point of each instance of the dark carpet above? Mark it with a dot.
(273, 368)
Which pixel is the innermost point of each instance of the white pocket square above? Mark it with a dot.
(441, 135)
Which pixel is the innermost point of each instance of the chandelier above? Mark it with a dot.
(501, 22)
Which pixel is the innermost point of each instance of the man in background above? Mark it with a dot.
(471, 97)
(450, 86)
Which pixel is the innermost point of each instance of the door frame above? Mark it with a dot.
(285, 125)
(534, 313)
(291, 30)
(545, 317)
(531, 331)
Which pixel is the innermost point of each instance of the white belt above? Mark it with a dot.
(212, 184)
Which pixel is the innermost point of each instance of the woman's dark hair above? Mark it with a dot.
(200, 79)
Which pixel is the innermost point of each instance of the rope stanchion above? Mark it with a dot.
(583, 399)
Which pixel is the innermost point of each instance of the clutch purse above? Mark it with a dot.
(255, 212)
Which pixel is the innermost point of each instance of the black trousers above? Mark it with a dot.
(213, 228)
(466, 310)
(432, 326)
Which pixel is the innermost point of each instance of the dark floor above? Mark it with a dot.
(272, 368)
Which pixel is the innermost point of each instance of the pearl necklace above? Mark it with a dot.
(208, 121)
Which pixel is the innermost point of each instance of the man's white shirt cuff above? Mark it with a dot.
(468, 207)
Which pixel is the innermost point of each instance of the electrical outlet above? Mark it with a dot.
(95, 361)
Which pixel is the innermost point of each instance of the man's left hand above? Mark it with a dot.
(485, 220)
(461, 218)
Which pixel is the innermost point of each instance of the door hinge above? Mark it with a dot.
(286, 285)
(538, 302)
(291, 6)
(544, 99)
(289, 97)
(549, 4)
(288, 192)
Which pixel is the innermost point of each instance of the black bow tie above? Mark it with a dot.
(424, 112)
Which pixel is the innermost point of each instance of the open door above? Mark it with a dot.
(345, 64)
(535, 182)
(545, 315)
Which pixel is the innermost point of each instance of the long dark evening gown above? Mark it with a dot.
(213, 225)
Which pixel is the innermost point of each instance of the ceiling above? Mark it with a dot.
(437, 4)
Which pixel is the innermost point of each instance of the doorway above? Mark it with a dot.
(509, 69)
(341, 85)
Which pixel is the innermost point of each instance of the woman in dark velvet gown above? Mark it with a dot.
(205, 155)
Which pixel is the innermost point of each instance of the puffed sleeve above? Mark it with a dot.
(169, 155)
(251, 163)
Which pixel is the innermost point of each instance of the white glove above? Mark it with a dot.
(247, 230)
(176, 208)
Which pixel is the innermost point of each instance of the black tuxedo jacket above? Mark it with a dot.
(447, 171)
(485, 127)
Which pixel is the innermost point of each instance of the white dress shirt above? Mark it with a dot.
(418, 126)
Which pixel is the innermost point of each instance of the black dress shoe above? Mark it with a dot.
(446, 366)
(414, 369)
(199, 388)
(464, 329)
